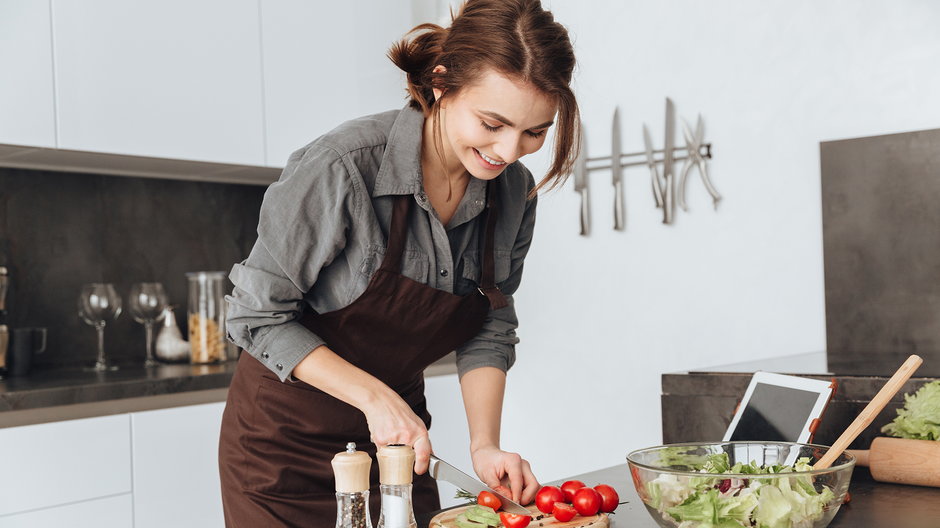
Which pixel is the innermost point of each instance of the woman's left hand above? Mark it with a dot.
(496, 467)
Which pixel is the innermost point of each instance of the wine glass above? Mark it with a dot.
(146, 302)
(97, 304)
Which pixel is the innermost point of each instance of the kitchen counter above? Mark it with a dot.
(873, 505)
(66, 394)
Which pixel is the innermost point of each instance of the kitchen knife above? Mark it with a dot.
(654, 170)
(616, 170)
(581, 184)
(668, 176)
(440, 470)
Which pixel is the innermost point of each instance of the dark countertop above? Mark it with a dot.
(52, 395)
(873, 504)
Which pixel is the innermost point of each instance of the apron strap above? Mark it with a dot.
(397, 233)
(488, 280)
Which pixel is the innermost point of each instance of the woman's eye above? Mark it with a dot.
(489, 127)
(538, 134)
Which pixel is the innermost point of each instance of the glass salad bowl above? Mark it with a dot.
(740, 484)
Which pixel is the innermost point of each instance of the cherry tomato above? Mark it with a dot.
(587, 501)
(564, 512)
(546, 498)
(486, 498)
(609, 497)
(503, 490)
(511, 520)
(569, 488)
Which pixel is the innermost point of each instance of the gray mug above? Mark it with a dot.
(26, 342)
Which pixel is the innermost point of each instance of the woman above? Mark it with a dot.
(386, 244)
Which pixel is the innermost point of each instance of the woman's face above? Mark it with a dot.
(492, 123)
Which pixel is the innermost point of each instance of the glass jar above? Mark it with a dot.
(207, 343)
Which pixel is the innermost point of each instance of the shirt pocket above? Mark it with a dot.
(471, 277)
(415, 264)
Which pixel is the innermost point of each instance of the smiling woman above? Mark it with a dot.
(387, 243)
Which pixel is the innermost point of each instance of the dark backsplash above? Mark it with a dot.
(61, 230)
(881, 226)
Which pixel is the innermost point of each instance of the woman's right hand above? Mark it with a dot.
(391, 421)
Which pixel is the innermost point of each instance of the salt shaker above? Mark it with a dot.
(351, 470)
(396, 469)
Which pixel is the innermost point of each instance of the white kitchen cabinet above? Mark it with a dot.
(27, 113)
(110, 512)
(166, 79)
(324, 63)
(176, 477)
(58, 463)
(450, 435)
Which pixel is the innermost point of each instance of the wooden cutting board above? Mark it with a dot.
(446, 519)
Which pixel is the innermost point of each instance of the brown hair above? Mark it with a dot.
(517, 38)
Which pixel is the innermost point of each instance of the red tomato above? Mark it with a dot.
(564, 512)
(546, 498)
(570, 487)
(609, 497)
(511, 520)
(587, 501)
(486, 498)
(503, 490)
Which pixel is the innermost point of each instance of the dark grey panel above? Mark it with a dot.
(881, 226)
(60, 230)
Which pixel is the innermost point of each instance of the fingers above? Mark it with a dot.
(516, 478)
(422, 447)
(531, 484)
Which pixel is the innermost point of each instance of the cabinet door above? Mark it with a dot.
(27, 115)
(160, 78)
(110, 512)
(176, 474)
(63, 462)
(325, 63)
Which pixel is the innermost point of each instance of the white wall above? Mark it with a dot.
(602, 317)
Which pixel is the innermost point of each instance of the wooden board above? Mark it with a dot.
(446, 519)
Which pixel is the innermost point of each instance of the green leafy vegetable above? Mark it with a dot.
(920, 417)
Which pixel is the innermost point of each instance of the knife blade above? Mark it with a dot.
(654, 170)
(616, 169)
(440, 470)
(668, 176)
(581, 183)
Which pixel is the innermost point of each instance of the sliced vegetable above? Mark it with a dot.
(512, 520)
(489, 500)
(563, 512)
(483, 515)
(463, 522)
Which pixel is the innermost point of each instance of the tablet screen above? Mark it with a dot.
(766, 419)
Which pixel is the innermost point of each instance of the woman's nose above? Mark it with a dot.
(508, 148)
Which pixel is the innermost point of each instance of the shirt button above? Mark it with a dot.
(265, 355)
(443, 273)
(422, 197)
(279, 366)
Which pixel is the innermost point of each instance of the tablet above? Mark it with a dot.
(779, 408)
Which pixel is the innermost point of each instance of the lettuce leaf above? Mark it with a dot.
(920, 417)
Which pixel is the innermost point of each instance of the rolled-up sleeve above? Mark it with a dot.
(495, 344)
(303, 220)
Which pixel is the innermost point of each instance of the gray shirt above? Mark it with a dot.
(322, 233)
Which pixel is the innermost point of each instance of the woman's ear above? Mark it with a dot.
(437, 91)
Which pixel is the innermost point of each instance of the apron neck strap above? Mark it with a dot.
(488, 280)
(397, 233)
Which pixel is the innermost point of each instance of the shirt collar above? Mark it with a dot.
(400, 171)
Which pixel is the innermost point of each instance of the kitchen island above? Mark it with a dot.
(873, 504)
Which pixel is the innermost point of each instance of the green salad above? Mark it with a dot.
(711, 502)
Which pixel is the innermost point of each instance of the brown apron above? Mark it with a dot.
(278, 438)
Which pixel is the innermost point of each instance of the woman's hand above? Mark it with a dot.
(496, 467)
(391, 421)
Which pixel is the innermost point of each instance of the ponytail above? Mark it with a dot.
(417, 54)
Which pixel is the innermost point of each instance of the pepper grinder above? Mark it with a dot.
(396, 469)
(351, 469)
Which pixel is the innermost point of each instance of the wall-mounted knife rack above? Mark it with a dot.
(665, 192)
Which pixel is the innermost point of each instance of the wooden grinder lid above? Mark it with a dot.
(396, 464)
(351, 469)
